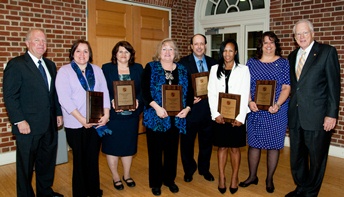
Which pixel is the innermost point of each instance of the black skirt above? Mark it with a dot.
(225, 135)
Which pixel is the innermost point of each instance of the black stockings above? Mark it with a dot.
(253, 162)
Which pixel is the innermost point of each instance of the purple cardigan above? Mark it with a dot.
(73, 96)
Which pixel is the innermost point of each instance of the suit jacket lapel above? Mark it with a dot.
(193, 64)
(309, 61)
(32, 66)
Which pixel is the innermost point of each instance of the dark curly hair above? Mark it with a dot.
(272, 36)
(128, 47)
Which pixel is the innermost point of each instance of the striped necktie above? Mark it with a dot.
(300, 65)
(200, 65)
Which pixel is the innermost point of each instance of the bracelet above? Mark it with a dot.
(187, 107)
(278, 105)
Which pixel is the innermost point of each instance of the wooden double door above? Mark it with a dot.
(110, 22)
(142, 27)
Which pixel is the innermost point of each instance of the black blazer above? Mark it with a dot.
(110, 71)
(27, 97)
(200, 111)
(317, 92)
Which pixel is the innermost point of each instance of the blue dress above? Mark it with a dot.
(266, 130)
(124, 125)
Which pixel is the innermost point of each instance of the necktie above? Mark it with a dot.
(300, 65)
(200, 65)
(44, 75)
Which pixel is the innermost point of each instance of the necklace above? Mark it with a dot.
(169, 76)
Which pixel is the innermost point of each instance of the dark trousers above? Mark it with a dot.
(187, 143)
(36, 152)
(162, 156)
(85, 144)
(308, 158)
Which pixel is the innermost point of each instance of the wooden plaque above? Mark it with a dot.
(172, 99)
(229, 106)
(124, 93)
(200, 84)
(265, 93)
(94, 106)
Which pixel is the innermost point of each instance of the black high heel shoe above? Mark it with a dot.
(233, 190)
(222, 190)
(243, 184)
(270, 189)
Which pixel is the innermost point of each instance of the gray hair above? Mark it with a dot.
(309, 23)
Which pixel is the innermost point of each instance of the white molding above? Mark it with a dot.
(7, 158)
(334, 151)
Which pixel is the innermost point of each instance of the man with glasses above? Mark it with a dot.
(313, 108)
(199, 118)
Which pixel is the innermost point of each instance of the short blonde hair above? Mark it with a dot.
(157, 54)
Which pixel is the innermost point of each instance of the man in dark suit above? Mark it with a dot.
(35, 114)
(199, 118)
(313, 108)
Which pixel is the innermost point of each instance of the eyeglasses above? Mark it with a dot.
(305, 33)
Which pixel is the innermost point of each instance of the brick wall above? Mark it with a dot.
(65, 21)
(327, 17)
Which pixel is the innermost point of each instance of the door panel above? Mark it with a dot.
(151, 26)
(110, 22)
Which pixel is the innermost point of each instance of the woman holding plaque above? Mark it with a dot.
(232, 78)
(72, 82)
(266, 128)
(122, 144)
(163, 129)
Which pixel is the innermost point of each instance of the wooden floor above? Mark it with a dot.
(332, 186)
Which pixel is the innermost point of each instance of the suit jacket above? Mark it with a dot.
(110, 71)
(199, 111)
(317, 92)
(27, 97)
(238, 83)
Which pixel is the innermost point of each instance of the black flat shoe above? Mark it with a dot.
(222, 190)
(156, 191)
(131, 183)
(233, 190)
(188, 178)
(173, 188)
(208, 176)
(116, 186)
(243, 184)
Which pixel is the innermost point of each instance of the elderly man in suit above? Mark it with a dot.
(313, 108)
(35, 114)
(199, 119)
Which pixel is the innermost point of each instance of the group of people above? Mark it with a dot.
(39, 100)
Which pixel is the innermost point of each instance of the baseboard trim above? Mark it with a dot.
(10, 157)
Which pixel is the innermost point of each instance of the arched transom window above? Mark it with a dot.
(216, 7)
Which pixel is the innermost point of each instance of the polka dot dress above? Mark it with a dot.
(266, 130)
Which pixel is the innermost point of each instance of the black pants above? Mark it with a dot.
(85, 144)
(36, 152)
(308, 158)
(162, 156)
(187, 143)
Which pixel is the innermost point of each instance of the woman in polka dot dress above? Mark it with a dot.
(266, 128)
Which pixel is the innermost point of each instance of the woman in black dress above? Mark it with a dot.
(229, 77)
